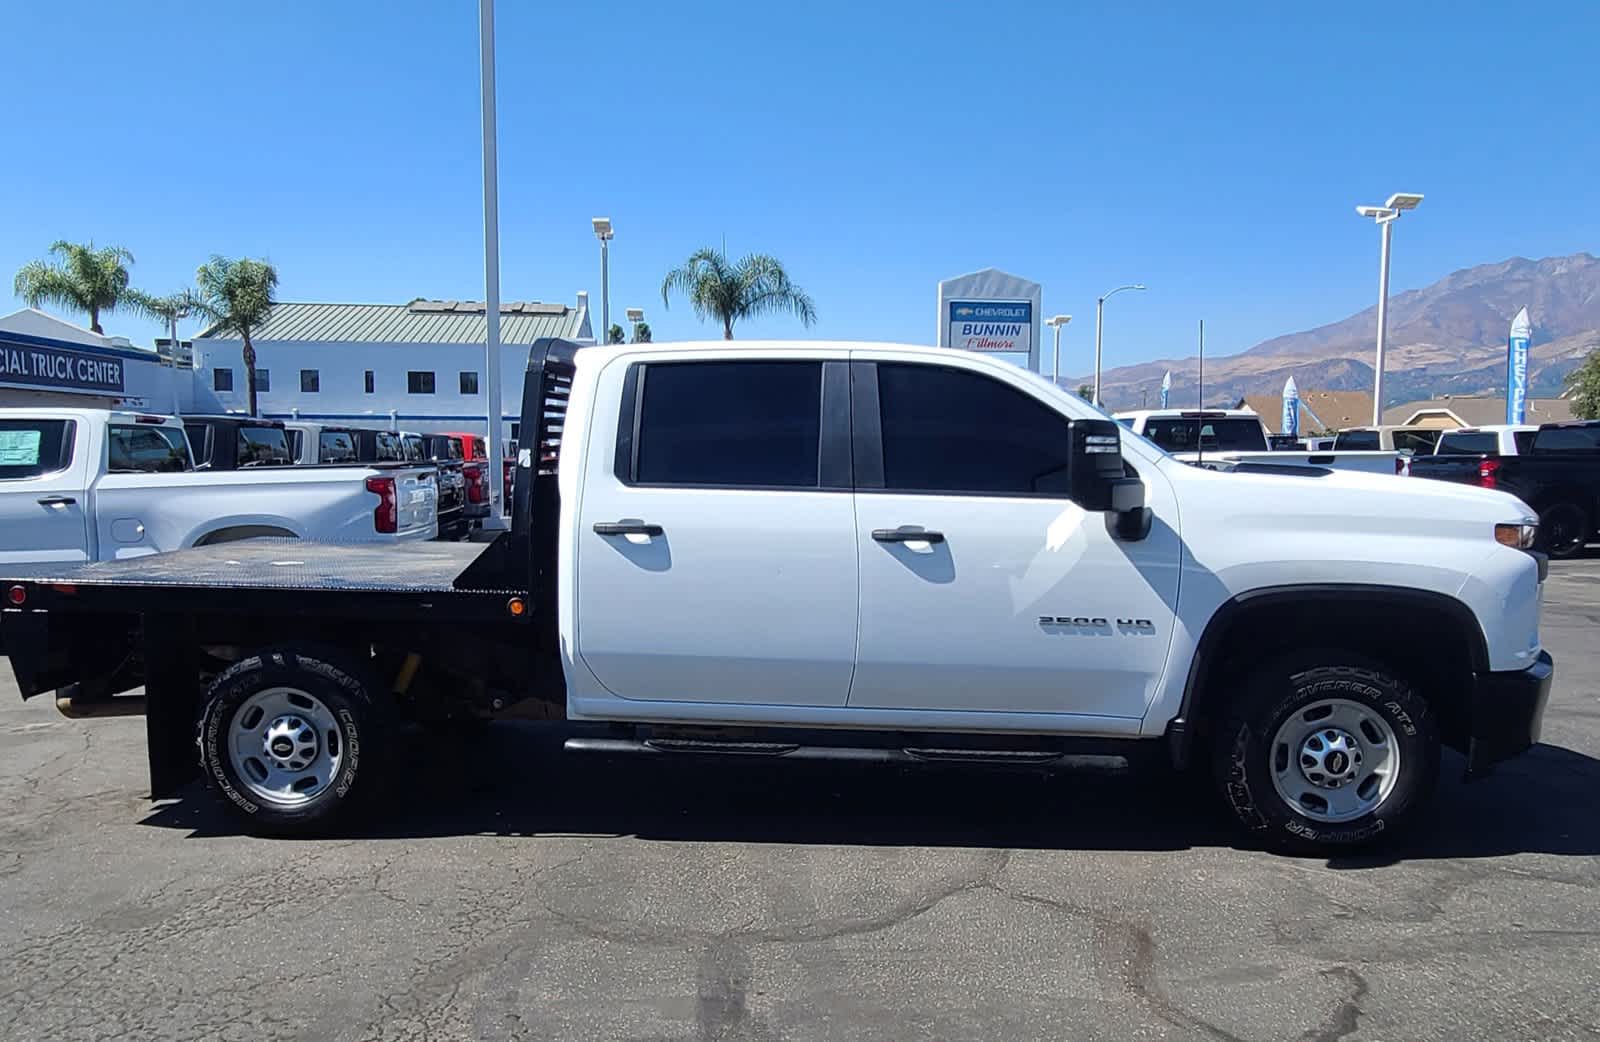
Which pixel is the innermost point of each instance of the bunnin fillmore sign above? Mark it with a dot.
(58, 368)
(991, 311)
(987, 325)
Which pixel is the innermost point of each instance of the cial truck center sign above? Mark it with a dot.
(978, 325)
(55, 368)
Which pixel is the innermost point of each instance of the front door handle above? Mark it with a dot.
(626, 528)
(56, 501)
(907, 534)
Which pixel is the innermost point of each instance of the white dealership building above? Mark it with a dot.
(48, 361)
(415, 366)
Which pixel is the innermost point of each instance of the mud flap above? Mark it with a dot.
(172, 702)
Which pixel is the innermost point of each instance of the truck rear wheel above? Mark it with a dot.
(1563, 529)
(288, 739)
(1324, 757)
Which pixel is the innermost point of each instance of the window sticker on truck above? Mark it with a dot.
(19, 448)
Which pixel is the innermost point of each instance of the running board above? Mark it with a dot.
(795, 751)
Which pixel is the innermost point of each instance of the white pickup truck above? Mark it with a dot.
(93, 484)
(1230, 437)
(842, 551)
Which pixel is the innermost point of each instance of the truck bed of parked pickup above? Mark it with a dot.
(856, 551)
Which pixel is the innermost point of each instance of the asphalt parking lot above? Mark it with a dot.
(514, 893)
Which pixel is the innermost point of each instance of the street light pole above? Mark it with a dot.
(1099, 330)
(1385, 216)
(494, 439)
(603, 232)
(1057, 321)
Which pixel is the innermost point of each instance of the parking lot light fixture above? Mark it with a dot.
(1385, 216)
(1099, 328)
(1057, 322)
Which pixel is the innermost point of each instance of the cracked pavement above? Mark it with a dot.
(508, 891)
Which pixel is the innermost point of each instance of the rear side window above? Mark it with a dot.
(336, 447)
(199, 440)
(1211, 433)
(263, 447)
(947, 430)
(1567, 439)
(29, 448)
(751, 424)
(142, 449)
(1357, 441)
(1478, 443)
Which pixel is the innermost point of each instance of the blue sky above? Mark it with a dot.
(1212, 151)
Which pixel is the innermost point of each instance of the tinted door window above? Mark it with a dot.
(1477, 443)
(1567, 439)
(145, 450)
(391, 448)
(263, 447)
(946, 430)
(730, 423)
(336, 447)
(1523, 440)
(29, 448)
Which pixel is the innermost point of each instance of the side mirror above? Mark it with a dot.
(1097, 479)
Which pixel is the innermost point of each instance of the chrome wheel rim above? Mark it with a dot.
(1335, 760)
(285, 746)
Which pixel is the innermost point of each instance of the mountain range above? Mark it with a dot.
(1447, 338)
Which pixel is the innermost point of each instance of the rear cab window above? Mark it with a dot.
(1357, 441)
(1209, 433)
(1574, 440)
(336, 447)
(146, 449)
(1469, 443)
(1417, 443)
(390, 447)
(263, 447)
(33, 448)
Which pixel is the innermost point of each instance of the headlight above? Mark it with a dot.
(1519, 535)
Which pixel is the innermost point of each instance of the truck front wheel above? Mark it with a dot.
(288, 739)
(1325, 757)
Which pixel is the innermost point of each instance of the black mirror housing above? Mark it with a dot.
(1096, 476)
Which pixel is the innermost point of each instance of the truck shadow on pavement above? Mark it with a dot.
(513, 780)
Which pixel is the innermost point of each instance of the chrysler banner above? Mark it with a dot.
(988, 325)
(54, 368)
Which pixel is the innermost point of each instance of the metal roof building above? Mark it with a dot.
(414, 366)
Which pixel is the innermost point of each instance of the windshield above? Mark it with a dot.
(1211, 433)
(146, 449)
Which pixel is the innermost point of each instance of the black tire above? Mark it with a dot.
(1244, 757)
(1563, 529)
(356, 737)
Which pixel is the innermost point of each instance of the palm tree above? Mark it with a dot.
(83, 279)
(757, 285)
(236, 295)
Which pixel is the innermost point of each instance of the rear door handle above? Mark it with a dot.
(56, 501)
(626, 528)
(907, 534)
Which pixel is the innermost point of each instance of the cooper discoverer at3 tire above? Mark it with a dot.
(1324, 757)
(289, 740)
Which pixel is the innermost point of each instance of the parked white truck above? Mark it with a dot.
(92, 484)
(1237, 436)
(854, 551)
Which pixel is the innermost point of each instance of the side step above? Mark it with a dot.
(796, 751)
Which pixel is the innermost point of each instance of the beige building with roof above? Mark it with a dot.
(1473, 411)
(415, 366)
